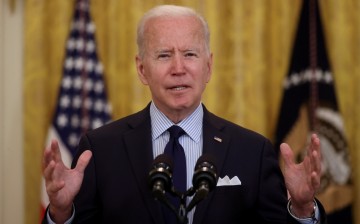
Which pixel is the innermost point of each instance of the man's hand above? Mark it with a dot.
(303, 179)
(62, 183)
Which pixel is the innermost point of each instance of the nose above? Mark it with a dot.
(178, 66)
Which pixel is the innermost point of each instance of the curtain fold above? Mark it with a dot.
(251, 42)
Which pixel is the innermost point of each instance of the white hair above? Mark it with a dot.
(169, 11)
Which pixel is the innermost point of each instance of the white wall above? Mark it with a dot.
(11, 134)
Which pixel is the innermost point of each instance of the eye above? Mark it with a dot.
(190, 54)
(163, 56)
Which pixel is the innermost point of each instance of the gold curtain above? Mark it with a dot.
(251, 42)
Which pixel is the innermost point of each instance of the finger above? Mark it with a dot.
(315, 180)
(315, 162)
(51, 152)
(315, 144)
(47, 156)
(287, 154)
(83, 161)
(53, 180)
(55, 149)
(54, 186)
(315, 155)
(307, 166)
(48, 171)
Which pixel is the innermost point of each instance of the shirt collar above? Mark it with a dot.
(192, 124)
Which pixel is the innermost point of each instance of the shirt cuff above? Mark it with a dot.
(314, 219)
(69, 221)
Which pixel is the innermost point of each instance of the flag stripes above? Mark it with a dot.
(82, 102)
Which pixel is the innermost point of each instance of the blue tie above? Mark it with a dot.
(176, 152)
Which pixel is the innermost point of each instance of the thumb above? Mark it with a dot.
(287, 154)
(83, 161)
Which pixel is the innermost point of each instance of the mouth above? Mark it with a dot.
(178, 88)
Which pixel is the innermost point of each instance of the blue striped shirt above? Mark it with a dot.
(192, 141)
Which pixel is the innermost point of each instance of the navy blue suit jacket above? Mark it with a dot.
(115, 187)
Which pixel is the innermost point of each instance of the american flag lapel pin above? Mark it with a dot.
(217, 139)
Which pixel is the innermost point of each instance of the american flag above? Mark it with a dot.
(82, 103)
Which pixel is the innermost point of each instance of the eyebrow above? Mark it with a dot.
(172, 50)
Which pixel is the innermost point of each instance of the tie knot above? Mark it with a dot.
(176, 131)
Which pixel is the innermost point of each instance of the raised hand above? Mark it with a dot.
(303, 179)
(62, 183)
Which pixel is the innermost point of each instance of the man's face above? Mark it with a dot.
(175, 65)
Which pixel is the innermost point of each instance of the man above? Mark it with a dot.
(108, 182)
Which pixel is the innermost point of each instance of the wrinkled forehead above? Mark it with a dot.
(173, 23)
(169, 29)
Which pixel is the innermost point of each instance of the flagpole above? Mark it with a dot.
(314, 95)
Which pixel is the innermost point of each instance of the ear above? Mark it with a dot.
(141, 70)
(209, 67)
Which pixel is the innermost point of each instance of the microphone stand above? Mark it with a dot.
(204, 180)
(181, 214)
(183, 211)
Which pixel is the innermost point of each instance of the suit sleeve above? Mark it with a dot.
(271, 175)
(86, 207)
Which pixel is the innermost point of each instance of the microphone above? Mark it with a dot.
(204, 179)
(160, 176)
(160, 180)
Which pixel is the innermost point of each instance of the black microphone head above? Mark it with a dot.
(205, 171)
(208, 158)
(163, 159)
(161, 172)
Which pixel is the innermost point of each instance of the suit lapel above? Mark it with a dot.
(216, 144)
(139, 148)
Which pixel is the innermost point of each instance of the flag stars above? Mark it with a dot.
(66, 82)
(89, 84)
(75, 121)
(99, 68)
(318, 75)
(64, 101)
(108, 108)
(328, 77)
(99, 87)
(90, 28)
(79, 63)
(73, 139)
(90, 46)
(88, 103)
(79, 44)
(82, 103)
(70, 44)
(96, 123)
(76, 103)
(295, 79)
(79, 25)
(78, 83)
(89, 65)
(307, 75)
(62, 120)
(69, 63)
(85, 122)
(99, 106)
